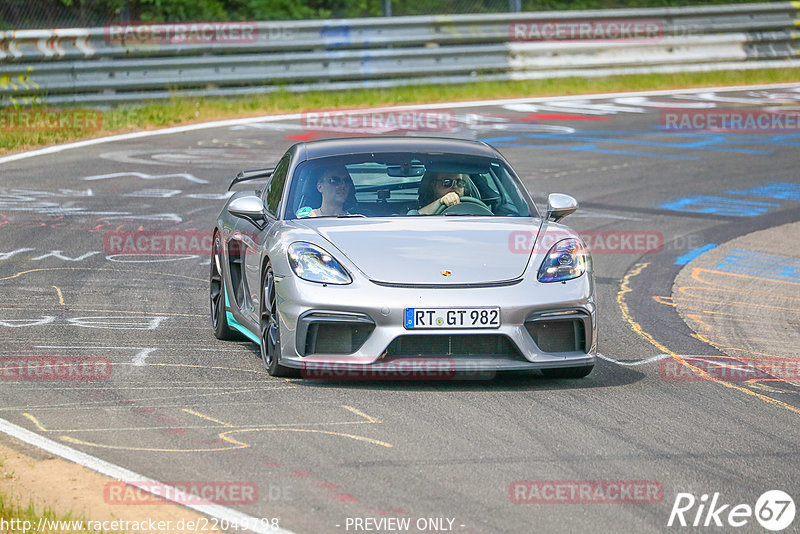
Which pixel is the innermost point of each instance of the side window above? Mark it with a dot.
(274, 189)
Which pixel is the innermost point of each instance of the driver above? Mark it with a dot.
(336, 186)
(440, 189)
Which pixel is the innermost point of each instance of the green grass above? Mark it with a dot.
(13, 518)
(186, 110)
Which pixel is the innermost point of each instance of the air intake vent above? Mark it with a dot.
(336, 338)
(561, 335)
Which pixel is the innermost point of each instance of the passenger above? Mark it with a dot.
(440, 189)
(336, 187)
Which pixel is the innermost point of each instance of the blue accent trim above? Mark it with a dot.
(244, 330)
(232, 322)
(692, 254)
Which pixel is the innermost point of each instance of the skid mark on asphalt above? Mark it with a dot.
(684, 360)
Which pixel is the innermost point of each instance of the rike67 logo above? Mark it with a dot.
(774, 510)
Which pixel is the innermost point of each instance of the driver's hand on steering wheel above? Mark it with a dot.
(450, 199)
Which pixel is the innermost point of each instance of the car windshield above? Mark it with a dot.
(405, 185)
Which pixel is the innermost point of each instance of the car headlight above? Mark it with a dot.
(314, 264)
(565, 260)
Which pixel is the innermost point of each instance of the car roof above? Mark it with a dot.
(427, 145)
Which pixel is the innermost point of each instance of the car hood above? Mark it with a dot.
(440, 250)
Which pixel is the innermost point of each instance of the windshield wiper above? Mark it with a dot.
(351, 215)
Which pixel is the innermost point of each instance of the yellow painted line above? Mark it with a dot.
(362, 414)
(36, 422)
(224, 436)
(697, 270)
(666, 301)
(765, 387)
(311, 430)
(706, 337)
(231, 440)
(696, 318)
(60, 295)
(662, 300)
(685, 290)
(198, 414)
(775, 357)
(150, 449)
(623, 306)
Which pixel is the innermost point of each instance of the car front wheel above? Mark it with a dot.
(270, 327)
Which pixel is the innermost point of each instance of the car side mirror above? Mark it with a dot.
(249, 207)
(559, 206)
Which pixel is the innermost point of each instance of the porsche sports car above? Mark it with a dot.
(339, 259)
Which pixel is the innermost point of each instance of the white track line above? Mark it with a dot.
(651, 359)
(449, 105)
(149, 485)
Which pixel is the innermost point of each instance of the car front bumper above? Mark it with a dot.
(381, 310)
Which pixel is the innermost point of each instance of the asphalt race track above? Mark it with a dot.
(178, 405)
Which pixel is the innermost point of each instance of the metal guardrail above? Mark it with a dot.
(122, 64)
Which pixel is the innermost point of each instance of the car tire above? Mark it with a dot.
(219, 317)
(568, 372)
(270, 327)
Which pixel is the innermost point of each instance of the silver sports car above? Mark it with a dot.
(367, 253)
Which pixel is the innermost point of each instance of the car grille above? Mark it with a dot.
(454, 345)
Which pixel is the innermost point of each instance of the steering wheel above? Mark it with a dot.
(468, 206)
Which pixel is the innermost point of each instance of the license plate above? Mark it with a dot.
(452, 318)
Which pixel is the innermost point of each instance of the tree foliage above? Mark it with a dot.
(61, 13)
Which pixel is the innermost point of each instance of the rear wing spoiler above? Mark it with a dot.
(246, 176)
